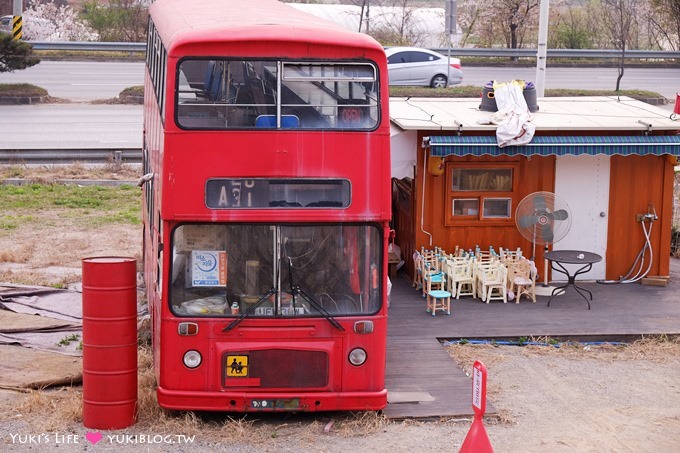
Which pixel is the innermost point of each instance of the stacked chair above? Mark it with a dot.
(491, 278)
(460, 277)
(522, 279)
(431, 270)
(437, 297)
(484, 274)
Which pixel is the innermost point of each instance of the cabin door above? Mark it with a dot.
(583, 183)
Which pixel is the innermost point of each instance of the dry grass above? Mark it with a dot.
(60, 410)
(47, 174)
(253, 428)
(655, 348)
(49, 410)
(39, 277)
(20, 255)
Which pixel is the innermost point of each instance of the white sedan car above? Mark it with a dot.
(415, 66)
(6, 24)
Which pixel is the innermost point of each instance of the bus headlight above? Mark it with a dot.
(357, 356)
(192, 359)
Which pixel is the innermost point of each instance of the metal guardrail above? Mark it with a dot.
(459, 52)
(565, 53)
(67, 156)
(89, 46)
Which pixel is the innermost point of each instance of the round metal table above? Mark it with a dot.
(557, 260)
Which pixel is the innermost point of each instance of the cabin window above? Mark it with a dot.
(480, 193)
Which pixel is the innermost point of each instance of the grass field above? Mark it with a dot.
(25, 205)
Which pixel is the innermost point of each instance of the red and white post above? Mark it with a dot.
(477, 441)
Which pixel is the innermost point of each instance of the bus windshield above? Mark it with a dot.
(275, 270)
(276, 94)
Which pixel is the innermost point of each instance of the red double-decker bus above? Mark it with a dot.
(266, 208)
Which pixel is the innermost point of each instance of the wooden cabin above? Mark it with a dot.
(607, 161)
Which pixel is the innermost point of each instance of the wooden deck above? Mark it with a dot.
(424, 382)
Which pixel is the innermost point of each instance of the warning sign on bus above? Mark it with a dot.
(208, 268)
(237, 366)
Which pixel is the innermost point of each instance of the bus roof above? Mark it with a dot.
(180, 22)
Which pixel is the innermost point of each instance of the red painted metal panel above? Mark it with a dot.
(182, 161)
(109, 342)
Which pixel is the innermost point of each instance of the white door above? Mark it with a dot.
(583, 183)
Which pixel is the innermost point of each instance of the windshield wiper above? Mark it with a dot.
(296, 289)
(244, 315)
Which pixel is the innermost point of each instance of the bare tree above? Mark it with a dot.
(618, 17)
(403, 22)
(395, 24)
(468, 13)
(514, 20)
(117, 20)
(664, 23)
(517, 17)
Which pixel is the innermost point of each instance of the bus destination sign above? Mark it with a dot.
(276, 193)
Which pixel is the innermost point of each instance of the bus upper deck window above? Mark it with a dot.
(272, 94)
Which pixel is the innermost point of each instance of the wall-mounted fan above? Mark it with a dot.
(544, 219)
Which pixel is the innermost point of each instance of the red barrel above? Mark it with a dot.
(109, 342)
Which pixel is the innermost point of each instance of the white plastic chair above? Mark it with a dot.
(522, 279)
(492, 282)
(462, 282)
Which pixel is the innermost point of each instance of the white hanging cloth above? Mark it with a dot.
(513, 116)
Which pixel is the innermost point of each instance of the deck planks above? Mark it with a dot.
(424, 382)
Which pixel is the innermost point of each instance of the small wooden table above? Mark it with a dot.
(560, 257)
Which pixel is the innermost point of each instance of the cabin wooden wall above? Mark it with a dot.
(636, 183)
(536, 173)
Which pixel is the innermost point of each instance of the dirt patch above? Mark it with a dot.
(575, 398)
(51, 253)
(583, 397)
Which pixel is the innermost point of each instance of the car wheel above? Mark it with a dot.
(438, 81)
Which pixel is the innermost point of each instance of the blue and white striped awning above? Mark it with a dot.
(481, 145)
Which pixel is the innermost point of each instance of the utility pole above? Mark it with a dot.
(451, 29)
(17, 23)
(542, 51)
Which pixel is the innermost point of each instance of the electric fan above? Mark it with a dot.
(544, 219)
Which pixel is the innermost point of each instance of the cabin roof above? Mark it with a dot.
(563, 114)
